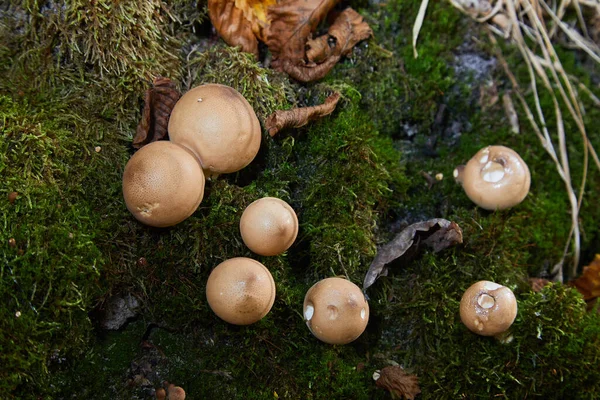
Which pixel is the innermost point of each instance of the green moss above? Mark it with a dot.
(554, 341)
(387, 74)
(51, 273)
(118, 39)
(350, 177)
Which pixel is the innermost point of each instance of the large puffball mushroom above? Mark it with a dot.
(495, 178)
(163, 184)
(240, 291)
(218, 124)
(488, 308)
(269, 226)
(336, 311)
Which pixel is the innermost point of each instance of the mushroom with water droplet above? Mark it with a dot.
(495, 178)
(336, 311)
(218, 125)
(488, 308)
(240, 291)
(269, 226)
(163, 184)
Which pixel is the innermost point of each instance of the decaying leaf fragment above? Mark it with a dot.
(400, 384)
(588, 284)
(436, 233)
(286, 27)
(347, 30)
(324, 52)
(298, 117)
(158, 104)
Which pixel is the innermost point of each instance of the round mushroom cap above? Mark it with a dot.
(217, 124)
(240, 291)
(488, 308)
(163, 184)
(495, 178)
(269, 226)
(336, 311)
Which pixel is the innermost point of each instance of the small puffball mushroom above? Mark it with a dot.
(336, 311)
(269, 226)
(495, 178)
(240, 291)
(217, 124)
(163, 184)
(488, 308)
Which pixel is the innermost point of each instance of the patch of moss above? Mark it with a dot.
(387, 74)
(348, 174)
(51, 261)
(553, 345)
(344, 177)
(119, 39)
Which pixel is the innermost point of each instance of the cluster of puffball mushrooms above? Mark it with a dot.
(213, 130)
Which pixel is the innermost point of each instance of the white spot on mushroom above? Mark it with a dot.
(484, 159)
(309, 311)
(493, 176)
(363, 313)
(200, 100)
(376, 375)
(486, 301)
(455, 173)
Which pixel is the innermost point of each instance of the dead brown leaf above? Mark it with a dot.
(588, 284)
(239, 22)
(158, 104)
(292, 22)
(298, 117)
(348, 29)
(286, 27)
(436, 233)
(400, 384)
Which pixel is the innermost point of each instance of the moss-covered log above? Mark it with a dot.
(68, 111)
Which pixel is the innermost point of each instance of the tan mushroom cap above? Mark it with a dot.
(336, 311)
(218, 125)
(488, 308)
(163, 184)
(269, 226)
(495, 178)
(240, 291)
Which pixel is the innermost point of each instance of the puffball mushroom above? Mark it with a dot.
(163, 184)
(495, 178)
(488, 308)
(336, 311)
(269, 226)
(218, 125)
(240, 291)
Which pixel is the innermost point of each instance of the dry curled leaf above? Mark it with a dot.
(588, 284)
(286, 27)
(158, 104)
(347, 30)
(234, 20)
(298, 117)
(436, 233)
(400, 384)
